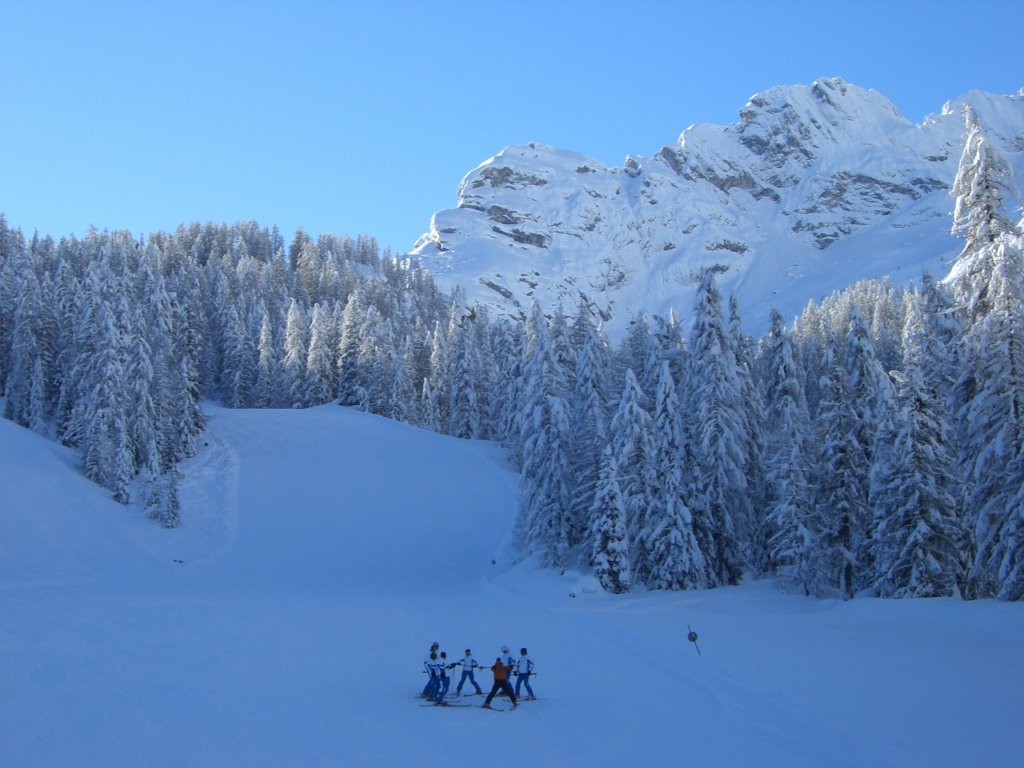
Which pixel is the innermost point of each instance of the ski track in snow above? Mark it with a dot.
(209, 500)
(323, 550)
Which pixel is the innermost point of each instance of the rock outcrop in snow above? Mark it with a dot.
(815, 187)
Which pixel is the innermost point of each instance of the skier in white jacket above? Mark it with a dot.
(468, 664)
(523, 669)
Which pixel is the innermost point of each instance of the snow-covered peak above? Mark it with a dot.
(814, 187)
(797, 120)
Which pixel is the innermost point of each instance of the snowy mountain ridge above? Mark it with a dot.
(814, 188)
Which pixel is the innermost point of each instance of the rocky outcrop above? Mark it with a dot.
(815, 187)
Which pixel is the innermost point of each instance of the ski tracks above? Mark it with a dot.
(209, 500)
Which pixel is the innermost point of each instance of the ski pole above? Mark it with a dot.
(692, 637)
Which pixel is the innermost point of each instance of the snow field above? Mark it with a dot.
(325, 549)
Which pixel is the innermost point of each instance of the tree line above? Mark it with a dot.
(874, 445)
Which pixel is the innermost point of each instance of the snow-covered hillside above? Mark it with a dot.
(816, 187)
(322, 550)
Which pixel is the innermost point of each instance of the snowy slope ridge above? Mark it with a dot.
(816, 187)
(322, 550)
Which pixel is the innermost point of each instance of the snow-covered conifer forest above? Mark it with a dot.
(874, 445)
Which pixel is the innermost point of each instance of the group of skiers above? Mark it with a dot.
(437, 667)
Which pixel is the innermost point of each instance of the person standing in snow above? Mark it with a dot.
(524, 668)
(507, 658)
(501, 672)
(443, 680)
(468, 664)
(508, 661)
(429, 665)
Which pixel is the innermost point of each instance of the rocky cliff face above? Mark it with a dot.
(815, 187)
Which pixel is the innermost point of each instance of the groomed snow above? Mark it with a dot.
(323, 550)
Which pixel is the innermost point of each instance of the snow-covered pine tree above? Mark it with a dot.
(181, 416)
(162, 502)
(66, 298)
(238, 374)
(714, 412)
(267, 374)
(833, 544)
(295, 354)
(784, 533)
(871, 390)
(25, 352)
(994, 419)
(872, 396)
(631, 436)
(403, 401)
(610, 557)
(350, 381)
(140, 387)
(752, 415)
(488, 388)
(376, 362)
(640, 353)
(939, 358)
(436, 397)
(100, 425)
(1010, 553)
(588, 424)
(321, 376)
(983, 180)
(463, 406)
(987, 281)
(544, 427)
(670, 345)
(507, 342)
(675, 560)
(919, 543)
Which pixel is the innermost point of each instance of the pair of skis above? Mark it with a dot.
(446, 705)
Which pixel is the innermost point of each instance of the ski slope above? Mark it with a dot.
(322, 551)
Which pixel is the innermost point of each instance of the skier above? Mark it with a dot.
(524, 668)
(428, 664)
(468, 664)
(508, 661)
(501, 672)
(443, 680)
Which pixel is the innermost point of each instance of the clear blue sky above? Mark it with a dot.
(363, 117)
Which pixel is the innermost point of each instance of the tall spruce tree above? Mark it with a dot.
(983, 180)
(995, 421)
(784, 536)
(610, 557)
(295, 354)
(631, 435)
(715, 414)
(833, 545)
(675, 560)
(544, 426)
(321, 376)
(588, 424)
(919, 543)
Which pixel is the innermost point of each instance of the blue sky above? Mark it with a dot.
(363, 117)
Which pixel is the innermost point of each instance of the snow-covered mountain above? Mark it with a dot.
(814, 188)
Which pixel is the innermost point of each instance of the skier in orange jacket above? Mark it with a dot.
(501, 672)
